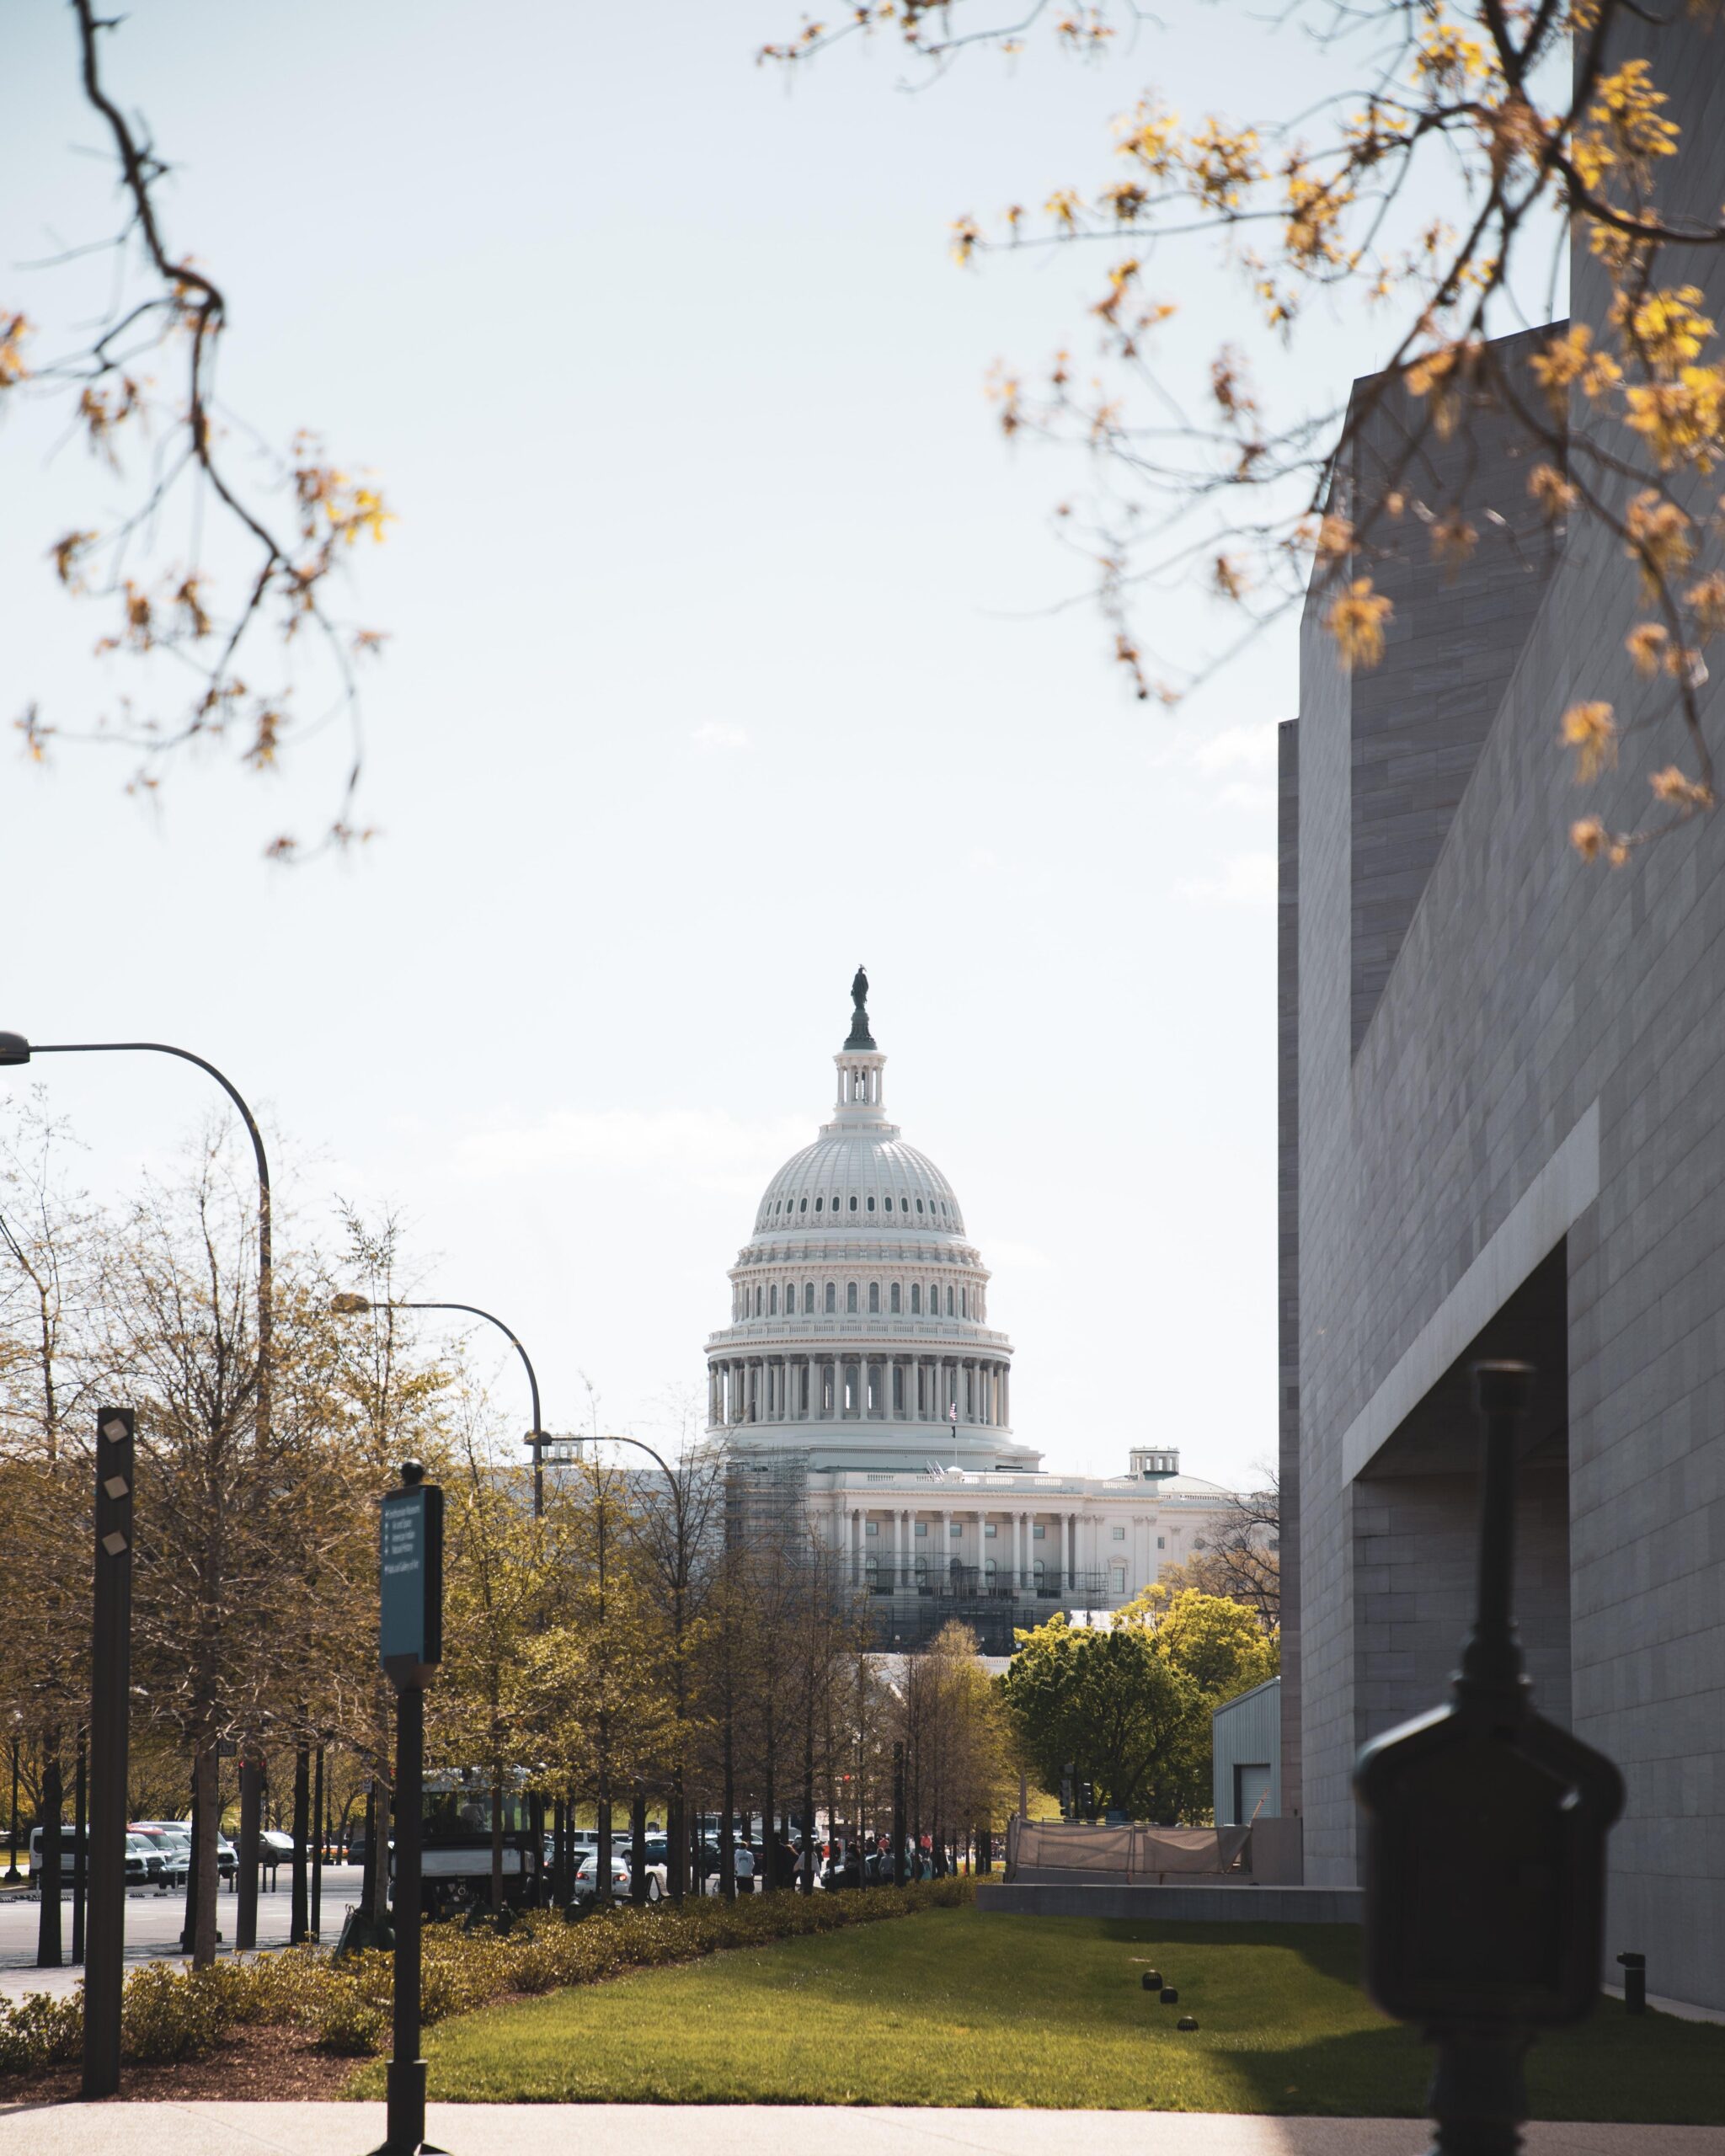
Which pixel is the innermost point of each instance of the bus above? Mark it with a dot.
(455, 1842)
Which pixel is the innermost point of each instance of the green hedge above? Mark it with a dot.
(174, 2012)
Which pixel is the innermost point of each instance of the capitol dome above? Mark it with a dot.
(858, 1333)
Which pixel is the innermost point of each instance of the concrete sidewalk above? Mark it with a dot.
(777, 2129)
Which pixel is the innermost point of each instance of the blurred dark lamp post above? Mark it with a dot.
(1485, 1847)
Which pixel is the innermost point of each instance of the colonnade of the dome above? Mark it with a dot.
(859, 1385)
(849, 1289)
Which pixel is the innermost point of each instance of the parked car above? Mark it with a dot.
(587, 1878)
(174, 1849)
(155, 1862)
(137, 1870)
(226, 1856)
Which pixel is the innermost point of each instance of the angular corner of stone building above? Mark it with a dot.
(1502, 1134)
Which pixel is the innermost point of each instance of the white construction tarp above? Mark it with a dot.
(1134, 1852)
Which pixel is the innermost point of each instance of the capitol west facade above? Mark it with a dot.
(859, 1360)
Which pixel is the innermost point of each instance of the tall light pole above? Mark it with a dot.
(352, 1305)
(15, 1049)
(676, 1845)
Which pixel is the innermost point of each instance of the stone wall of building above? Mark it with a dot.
(1532, 999)
(1288, 1242)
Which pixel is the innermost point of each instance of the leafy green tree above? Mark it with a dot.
(1215, 1640)
(1110, 1708)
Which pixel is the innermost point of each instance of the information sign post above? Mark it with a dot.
(410, 1646)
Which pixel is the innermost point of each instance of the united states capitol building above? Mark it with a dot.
(859, 1365)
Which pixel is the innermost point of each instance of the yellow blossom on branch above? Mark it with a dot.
(1356, 619)
(1551, 490)
(1645, 645)
(1224, 162)
(1591, 731)
(1570, 358)
(1151, 136)
(1705, 600)
(1671, 787)
(1589, 836)
(14, 330)
(1658, 537)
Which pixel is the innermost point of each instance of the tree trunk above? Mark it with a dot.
(379, 1842)
(637, 1844)
(497, 1834)
(205, 1767)
(602, 1868)
(727, 1821)
(809, 1798)
(676, 1839)
(300, 1922)
(80, 1847)
(48, 1917)
(368, 1870)
(320, 1827)
(769, 1820)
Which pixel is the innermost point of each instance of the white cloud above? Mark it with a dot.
(1250, 748)
(716, 1150)
(1243, 879)
(714, 733)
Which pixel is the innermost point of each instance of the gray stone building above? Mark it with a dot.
(1502, 1095)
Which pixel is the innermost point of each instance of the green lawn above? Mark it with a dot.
(954, 2007)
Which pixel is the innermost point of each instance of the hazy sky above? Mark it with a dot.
(722, 657)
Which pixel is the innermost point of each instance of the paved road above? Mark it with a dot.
(153, 1928)
(743, 2129)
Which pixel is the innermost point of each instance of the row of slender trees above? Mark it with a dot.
(682, 1640)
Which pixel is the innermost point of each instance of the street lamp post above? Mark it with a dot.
(352, 1305)
(15, 1049)
(11, 1829)
(678, 1587)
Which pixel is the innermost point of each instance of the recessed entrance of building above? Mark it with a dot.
(1416, 1516)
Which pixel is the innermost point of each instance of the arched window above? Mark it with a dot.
(871, 1202)
(887, 1202)
(988, 1572)
(919, 1205)
(964, 1302)
(853, 1201)
(817, 1205)
(893, 1300)
(949, 1302)
(874, 1298)
(832, 1298)
(802, 1205)
(772, 1302)
(808, 1298)
(916, 1299)
(850, 1298)
(757, 1301)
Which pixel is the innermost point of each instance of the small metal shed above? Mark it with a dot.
(1246, 1754)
